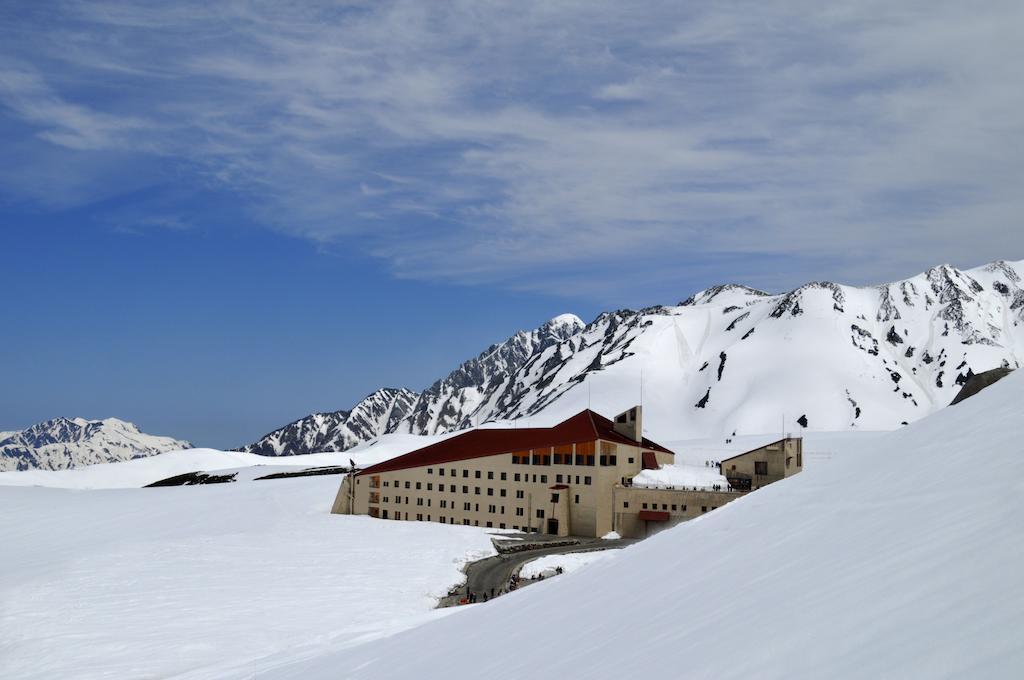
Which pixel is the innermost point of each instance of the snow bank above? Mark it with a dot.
(569, 562)
(199, 581)
(679, 476)
(881, 561)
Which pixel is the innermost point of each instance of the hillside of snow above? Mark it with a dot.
(731, 359)
(142, 471)
(893, 560)
(199, 581)
(63, 443)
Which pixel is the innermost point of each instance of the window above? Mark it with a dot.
(577, 499)
(664, 507)
(451, 487)
(554, 498)
(430, 486)
(387, 483)
(543, 479)
(452, 472)
(630, 461)
(476, 523)
(517, 477)
(577, 479)
(398, 499)
(586, 480)
(444, 503)
(419, 501)
(419, 486)
(428, 502)
(490, 474)
(477, 474)
(535, 479)
(761, 467)
(540, 513)
(489, 524)
(519, 493)
(476, 490)
(645, 506)
(501, 525)
(684, 508)
(466, 506)
(465, 522)
(430, 471)
(502, 510)
(558, 479)
(440, 473)
(673, 507)
(519, 512)
(407, 485)
(419, 518)
(465, 489)
(492, 509)
(609, 460)
(504, 476)
(703, 508)
(441, 519)
(502, 493)
(476, 507)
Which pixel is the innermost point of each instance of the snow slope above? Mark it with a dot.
(825, 356)
(64, 443)
(888, 561)
(140, 472)
(187, 582)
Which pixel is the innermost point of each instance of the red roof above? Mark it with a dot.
(585, 426)
(654, 515)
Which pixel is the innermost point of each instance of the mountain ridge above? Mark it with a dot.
(892, 345)
(61, 443)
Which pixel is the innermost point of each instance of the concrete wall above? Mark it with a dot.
(681, 505)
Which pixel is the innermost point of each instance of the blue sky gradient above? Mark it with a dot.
(218, 217)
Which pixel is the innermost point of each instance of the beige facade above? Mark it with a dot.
(642, 512)
(582, 488)
(561, 490)
(762, 466)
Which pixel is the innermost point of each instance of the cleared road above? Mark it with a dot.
(493, 573)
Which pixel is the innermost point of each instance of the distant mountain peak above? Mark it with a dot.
(61, 443)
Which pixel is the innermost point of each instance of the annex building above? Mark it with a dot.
(571, 479)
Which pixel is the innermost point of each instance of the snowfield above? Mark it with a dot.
(201, 581)
(142, 471)
(882, 561)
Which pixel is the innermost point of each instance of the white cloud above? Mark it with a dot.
(491, 142)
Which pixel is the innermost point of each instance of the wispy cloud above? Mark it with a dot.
(547, 144)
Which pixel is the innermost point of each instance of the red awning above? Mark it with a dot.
(649, 460)
(654, 515)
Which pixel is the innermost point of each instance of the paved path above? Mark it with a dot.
(494, 572)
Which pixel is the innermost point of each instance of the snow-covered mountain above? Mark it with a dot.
(377, 414)
(858, 567)
(64, 443)
(734, 359)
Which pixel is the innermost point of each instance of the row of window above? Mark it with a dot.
(451, 520)
(665, 506)
(543, 479)
(475, 507)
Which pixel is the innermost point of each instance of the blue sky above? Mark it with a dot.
(218, 217)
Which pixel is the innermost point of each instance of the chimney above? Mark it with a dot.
(630, 423)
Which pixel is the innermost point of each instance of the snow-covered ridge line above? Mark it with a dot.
(63, 443)
(728, 359)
